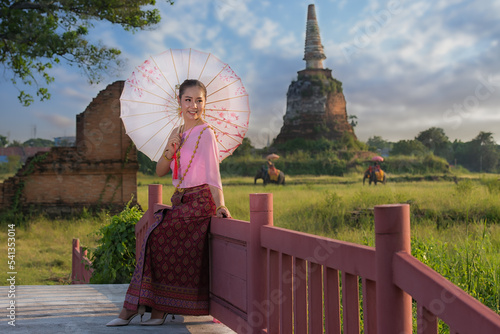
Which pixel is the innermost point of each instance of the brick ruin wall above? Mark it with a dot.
(100, 172)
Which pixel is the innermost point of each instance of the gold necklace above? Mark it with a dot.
(192, 156)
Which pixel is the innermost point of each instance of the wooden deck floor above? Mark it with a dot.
(79, 309)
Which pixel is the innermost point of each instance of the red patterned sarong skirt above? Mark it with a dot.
(172, 272)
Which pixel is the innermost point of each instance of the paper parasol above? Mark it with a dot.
(377, 158)
(272, 156)
(149, 106)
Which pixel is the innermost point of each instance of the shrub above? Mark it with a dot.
(464, 187)
(113, 260)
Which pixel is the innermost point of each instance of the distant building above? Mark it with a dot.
(65, 141)
(316, 106)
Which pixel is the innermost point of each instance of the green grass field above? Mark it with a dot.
(455, 227)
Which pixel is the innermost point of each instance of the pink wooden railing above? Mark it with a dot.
(80, 274)
(266, 279)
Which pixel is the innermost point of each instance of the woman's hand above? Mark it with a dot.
(163, 165)
(223, 212)
(173, 143)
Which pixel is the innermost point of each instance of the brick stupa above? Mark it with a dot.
(316, 106)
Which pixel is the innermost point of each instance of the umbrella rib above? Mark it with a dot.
(147, 91)
(227, 110)
(154, 81)
(155, 135)
(141, 115)
(146, 125)
(164, 77)
(215, 76)
(166, 139)
(189, 63)
(204, 65)
(175, 68)
(224, 87)
(229, 98)
(237, 125)
(144, 102)
(225, 134)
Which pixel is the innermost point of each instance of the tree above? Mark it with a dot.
(3, 141)
(437, 142)
(15, 143)
(484, 147)
(353, 120)
(244, 149)
(409, 147)
(38, 142)
(378, 143)
(481, 154)
(35, 35)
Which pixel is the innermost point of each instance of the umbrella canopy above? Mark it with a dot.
(377, 158)
(149, 106)
(272, 156)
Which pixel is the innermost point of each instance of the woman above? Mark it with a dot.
(171, 275)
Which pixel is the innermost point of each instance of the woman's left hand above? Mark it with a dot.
(223, 212)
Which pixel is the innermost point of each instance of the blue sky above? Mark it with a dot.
(405, 65)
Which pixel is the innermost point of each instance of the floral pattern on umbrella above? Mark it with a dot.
(149, 107)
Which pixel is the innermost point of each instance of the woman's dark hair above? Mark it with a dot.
(192, 83)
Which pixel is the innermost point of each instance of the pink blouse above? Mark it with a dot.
(204, 168)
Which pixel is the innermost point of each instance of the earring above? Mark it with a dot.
(179, 111)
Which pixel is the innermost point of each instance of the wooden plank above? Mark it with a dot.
(300, 295)
(427, 322)
(230, 228)
(229, 257)
(350, 302)
(344, 256)
(332, 301)
(286, 308)
(315, 294)
(369, 306)
(273, 312)
(442, 298)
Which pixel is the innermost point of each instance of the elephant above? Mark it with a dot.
(263, 174)
(374, 176)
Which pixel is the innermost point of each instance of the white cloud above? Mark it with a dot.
(264, 36)
(56, 120)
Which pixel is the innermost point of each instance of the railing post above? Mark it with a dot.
(392, 235)
(155, 196)
(261, 214)
(75, 261)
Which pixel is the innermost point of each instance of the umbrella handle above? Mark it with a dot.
(175, 172)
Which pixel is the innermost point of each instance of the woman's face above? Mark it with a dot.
(192, 103)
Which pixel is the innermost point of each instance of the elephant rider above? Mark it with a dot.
(379, 173)
(272, 171)
(374, 169)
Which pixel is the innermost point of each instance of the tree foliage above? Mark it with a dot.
(3, 141)
(481, 154)
(437, 142)
(38, 142)
(409, 147)
(244, 149)
(378, 143)
(36, 35)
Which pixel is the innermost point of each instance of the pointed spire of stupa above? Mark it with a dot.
(313, 52)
